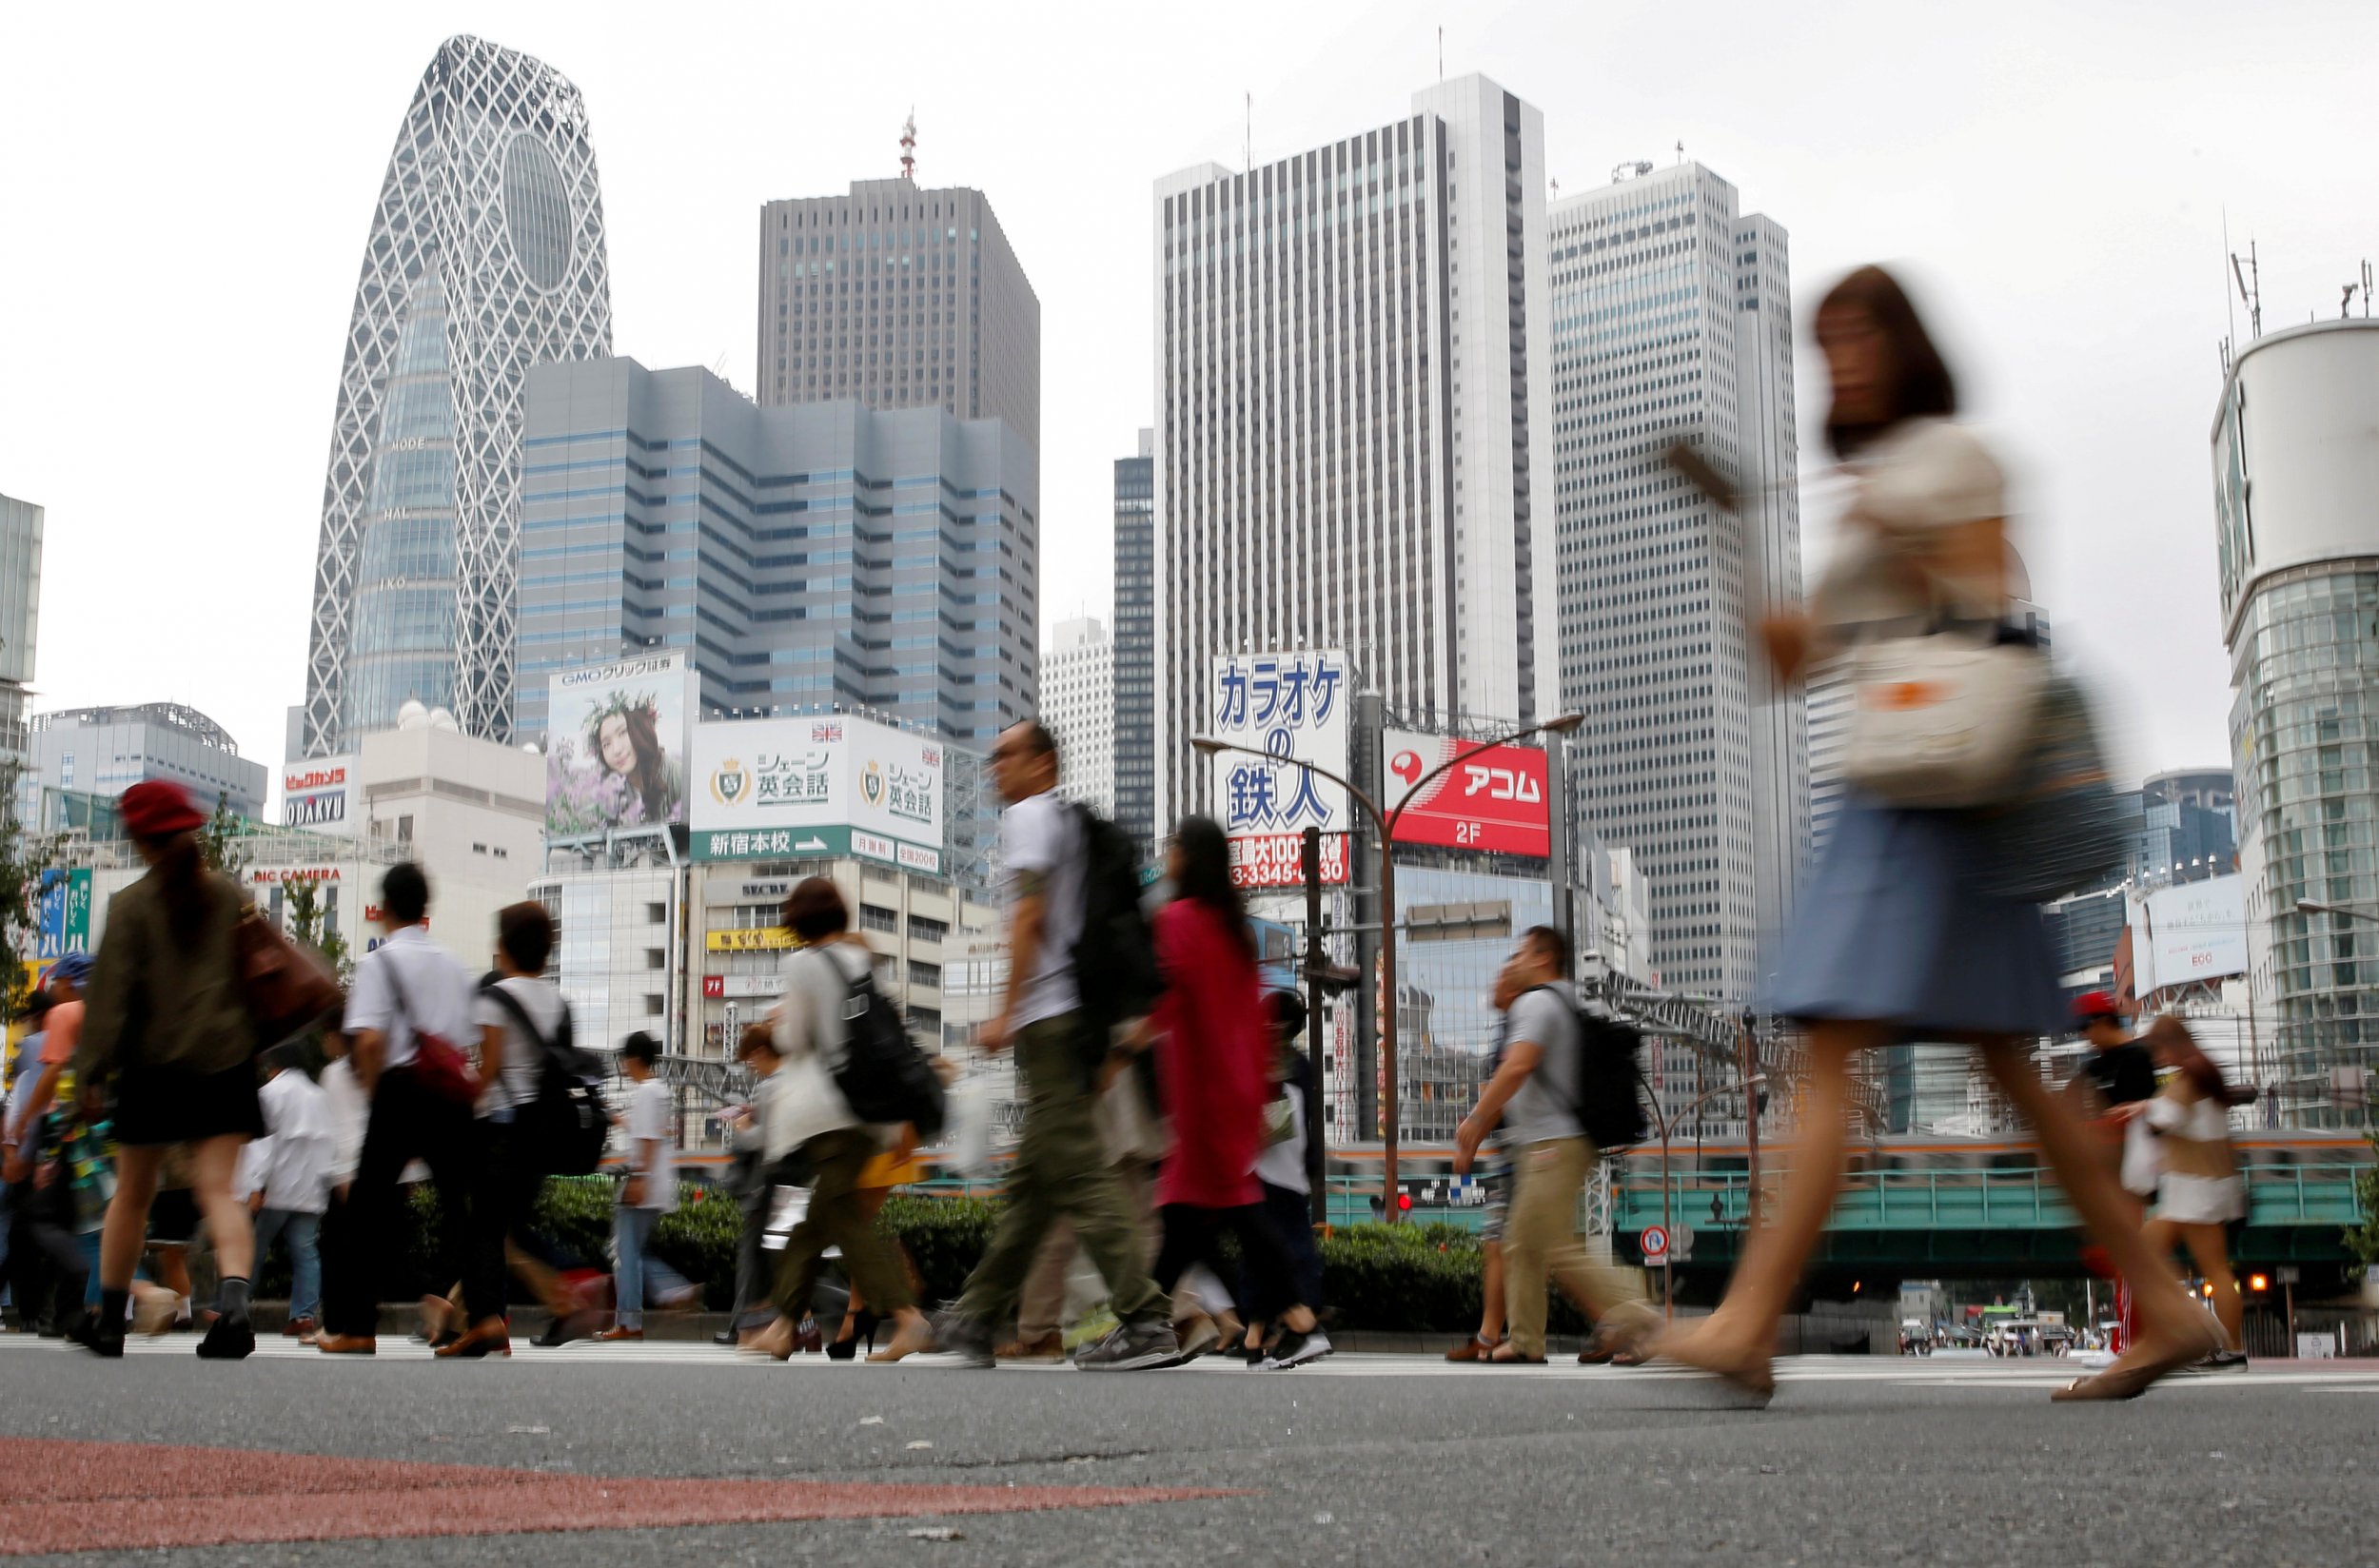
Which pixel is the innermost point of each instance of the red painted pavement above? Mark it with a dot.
(59, 1495)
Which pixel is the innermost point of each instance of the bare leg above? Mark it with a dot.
(1491, 1289)
(213, 1162)
(870, 1203)
(1744, 1327)
(2165, 1313)
(127, 1228)
(2211, 1247)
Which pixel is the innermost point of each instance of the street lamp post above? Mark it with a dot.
(1386, 822)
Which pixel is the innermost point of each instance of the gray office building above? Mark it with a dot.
(1135, 642)
(812, 557)
(107, 750)
(1672, 320)
(20, 620)
(485, 256)
(897, 296)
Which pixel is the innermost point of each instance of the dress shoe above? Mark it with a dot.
(347, 1344)
(616, 1333)
(492, 1338)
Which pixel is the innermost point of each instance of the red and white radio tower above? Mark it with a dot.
(908, 149)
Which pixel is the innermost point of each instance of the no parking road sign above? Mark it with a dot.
(1655, 1244)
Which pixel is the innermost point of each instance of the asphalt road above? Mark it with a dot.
(1367, 1461)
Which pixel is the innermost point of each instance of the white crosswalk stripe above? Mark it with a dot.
(1981, 1375)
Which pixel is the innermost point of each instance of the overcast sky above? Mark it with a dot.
(185, 194)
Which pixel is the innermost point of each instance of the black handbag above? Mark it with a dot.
(2064, 830)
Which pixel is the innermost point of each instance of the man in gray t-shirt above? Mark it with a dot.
(1533, 1095)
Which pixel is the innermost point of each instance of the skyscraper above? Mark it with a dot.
(1078, 706)
(1352, 374)
(2295, 449)
(486, 257)
(20, 619)
(899, 297)
(810, 558)
(1672, 319)
(1135, 644)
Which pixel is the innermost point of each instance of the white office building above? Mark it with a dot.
(1078, 707)
(1351, 363)
(1671, 319)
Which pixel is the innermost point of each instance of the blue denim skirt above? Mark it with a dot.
(1891, 929)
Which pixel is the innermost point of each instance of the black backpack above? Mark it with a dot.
(562, 1131)
(1114, 957)
(1609, 1110)
(883, 1075)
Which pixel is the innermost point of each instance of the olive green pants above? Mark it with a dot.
(834, 1219)
(1061, 1171)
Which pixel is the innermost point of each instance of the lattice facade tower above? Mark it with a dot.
(486, 256)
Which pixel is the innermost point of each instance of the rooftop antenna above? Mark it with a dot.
(2250, 292)
(1441, 53)
(2346, 303)
(1246, 146)
(909, 147)
(1680, 149)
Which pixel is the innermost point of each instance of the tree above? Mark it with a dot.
(2363, 1240)
(24, 858)
(218, 841)
(309, 925)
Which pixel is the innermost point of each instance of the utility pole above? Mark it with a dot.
(1317, 1168)
(1564, 823)
(1747, 1049)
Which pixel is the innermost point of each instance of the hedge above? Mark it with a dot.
(1394, 1279)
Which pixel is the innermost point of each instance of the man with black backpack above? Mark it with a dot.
(1061, 909)
(1550, 1095)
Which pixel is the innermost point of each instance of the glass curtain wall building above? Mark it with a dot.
(2295, 448)
(20, 619)
(812, 557)
(1672, 320)
(485, 256)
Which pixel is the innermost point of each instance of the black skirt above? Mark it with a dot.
(167, 1106)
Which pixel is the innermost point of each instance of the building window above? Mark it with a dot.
(655, 1004)
(876, 919)
(924, 929)
(656, 958)
(656, 915)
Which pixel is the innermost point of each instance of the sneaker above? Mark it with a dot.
(227, 1339)
(2224, 1360)
(1047, 1347)
(1296, 1349)
(92, 1335)
(968, 1338)
(1134, 1347)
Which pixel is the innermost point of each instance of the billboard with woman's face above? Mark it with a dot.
(616, 746)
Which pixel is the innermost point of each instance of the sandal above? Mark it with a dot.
(2129, 1382)
(1472, 1350)
(1505, 1356)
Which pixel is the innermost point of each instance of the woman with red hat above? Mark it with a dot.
(167, 1026)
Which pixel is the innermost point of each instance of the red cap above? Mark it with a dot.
(158, 808)
(2095, 1004)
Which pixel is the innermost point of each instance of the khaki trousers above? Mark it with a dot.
(1540, 1242)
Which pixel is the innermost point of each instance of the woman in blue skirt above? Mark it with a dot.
(1893, 937)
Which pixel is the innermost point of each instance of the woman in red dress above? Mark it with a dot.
(1213, 1057)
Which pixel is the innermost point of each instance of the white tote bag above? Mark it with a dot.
(1944, 720)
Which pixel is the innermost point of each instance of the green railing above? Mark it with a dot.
(2321, 1195)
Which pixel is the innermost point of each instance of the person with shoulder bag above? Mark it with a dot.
(1906, 928)
(2199, 1191)
(826, 978)
(168, 1023)
(406, 1024)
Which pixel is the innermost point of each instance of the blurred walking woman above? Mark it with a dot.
(167, 1022)
(2198, 1189)
(807, 1116)
(1215, 1050)
(1895, 938)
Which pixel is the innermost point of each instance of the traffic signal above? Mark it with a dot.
(1404, 1203)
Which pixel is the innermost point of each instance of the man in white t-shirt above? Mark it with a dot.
(285, 1178)
(651, 1188)
(1061, 1167)
(406, 989)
